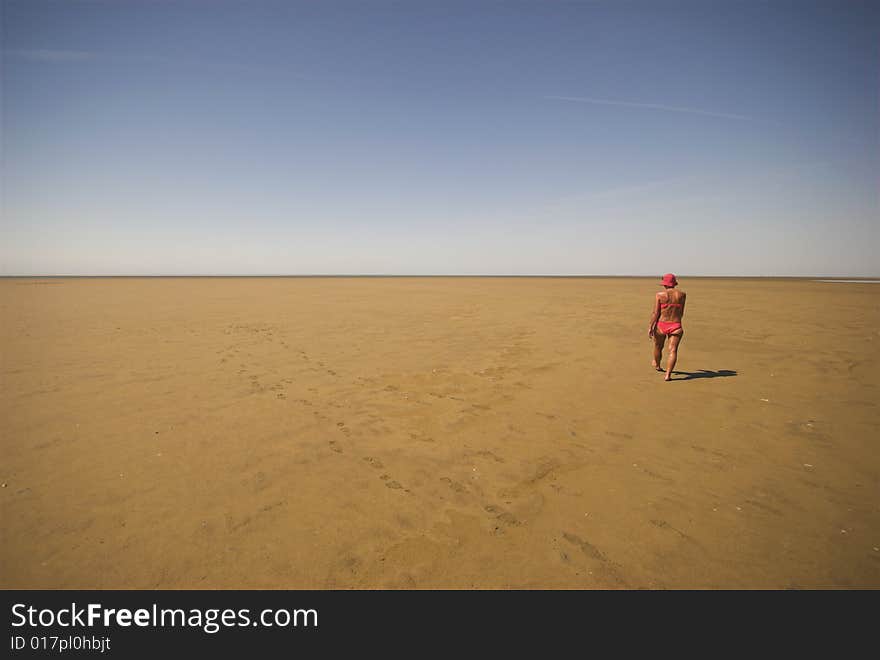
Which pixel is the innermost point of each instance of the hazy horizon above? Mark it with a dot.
(440, 139)
(811, 278)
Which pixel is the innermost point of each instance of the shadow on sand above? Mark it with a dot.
(702, 373)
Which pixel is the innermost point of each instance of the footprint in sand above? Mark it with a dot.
(662, 524)
(374, 462)
(562, 490)
(586, 547)
(454, 485)
(389, 482)
(501, 515)
(485, 453)
(334, 445)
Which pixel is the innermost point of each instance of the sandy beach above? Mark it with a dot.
(336, 433)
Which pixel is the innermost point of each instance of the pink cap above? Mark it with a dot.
(669, 280)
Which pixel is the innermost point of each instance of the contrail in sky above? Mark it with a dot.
(650, 106)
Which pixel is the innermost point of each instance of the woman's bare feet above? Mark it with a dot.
(667, 377)
(655, 365)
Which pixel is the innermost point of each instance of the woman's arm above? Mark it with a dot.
(655, 316)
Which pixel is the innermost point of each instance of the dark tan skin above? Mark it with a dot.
(667, 315)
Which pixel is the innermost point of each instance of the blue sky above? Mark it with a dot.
(629, 138)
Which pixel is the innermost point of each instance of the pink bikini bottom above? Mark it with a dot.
(667, 328)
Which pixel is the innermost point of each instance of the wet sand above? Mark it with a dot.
(426, 433)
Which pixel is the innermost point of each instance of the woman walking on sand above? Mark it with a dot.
(666, 322)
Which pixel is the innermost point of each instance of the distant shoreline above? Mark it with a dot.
(812, 278)
(866, 281)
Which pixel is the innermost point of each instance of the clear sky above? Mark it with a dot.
(704, 138)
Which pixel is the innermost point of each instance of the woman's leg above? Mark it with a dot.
(659, 340)
(674, 341)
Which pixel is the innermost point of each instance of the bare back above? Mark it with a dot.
(671, 303)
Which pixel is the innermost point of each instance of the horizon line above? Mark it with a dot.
(855, 278)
